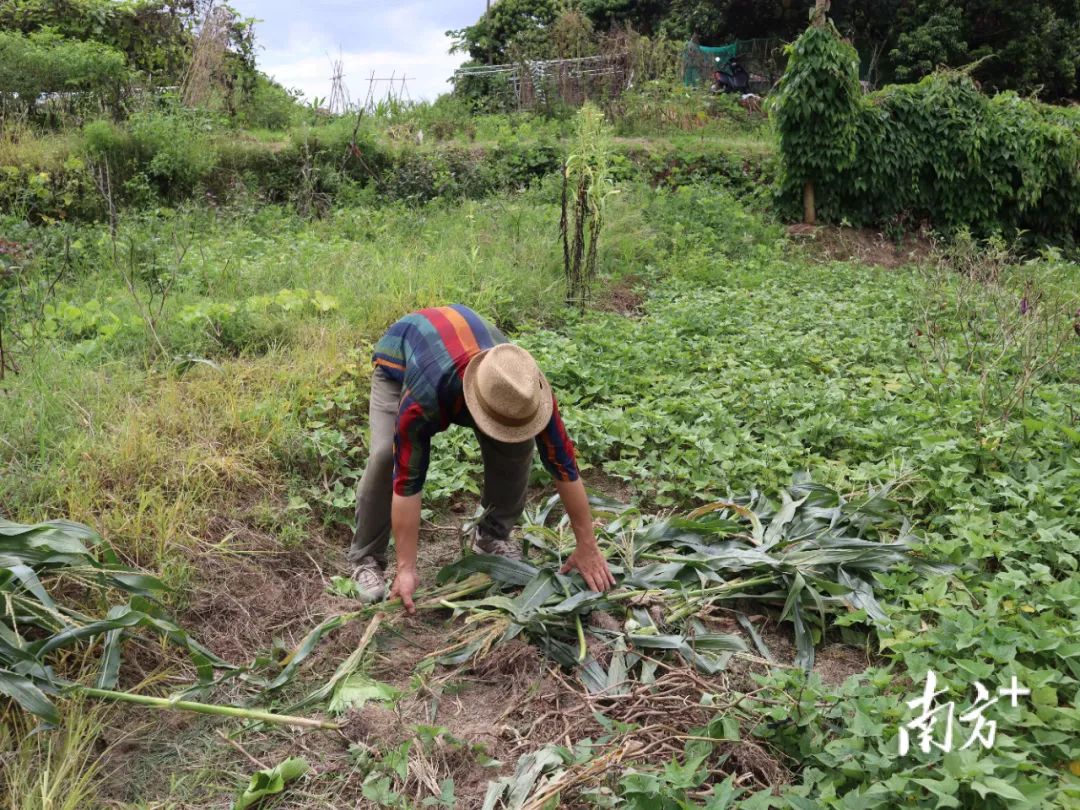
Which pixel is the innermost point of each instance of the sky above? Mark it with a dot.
(299, 40)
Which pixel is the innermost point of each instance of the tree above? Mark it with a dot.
(1027, 47)
(815, 104)
(46, 63)
(519, 26)
(153, 35)
(725, 20)
(644, 16)
(936, 38)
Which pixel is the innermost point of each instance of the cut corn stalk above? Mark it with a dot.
(811, 556)
(206, 708)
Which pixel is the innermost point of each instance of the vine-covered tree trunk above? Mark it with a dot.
(821, 8)
(815, 107)
(809, 215)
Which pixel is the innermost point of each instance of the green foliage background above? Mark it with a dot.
(117, 55)
(1028, 47)
(938, 151)
(44, 63)
(153, 35)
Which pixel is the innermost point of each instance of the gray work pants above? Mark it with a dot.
(506, 477)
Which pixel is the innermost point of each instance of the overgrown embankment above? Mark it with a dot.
(157, 159)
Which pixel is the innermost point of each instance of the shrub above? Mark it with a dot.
(171, 150)
(939, 150)
(106, 139)
(268, 105)
(176, 148)
(446, 117)
(252, 325)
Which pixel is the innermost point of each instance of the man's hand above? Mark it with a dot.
(405, 582)
(592, 566)
(586, 558)
(405, 519)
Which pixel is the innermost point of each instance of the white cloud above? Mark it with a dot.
(306, 64)
(299, 41)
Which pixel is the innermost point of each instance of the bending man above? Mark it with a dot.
(444, 366)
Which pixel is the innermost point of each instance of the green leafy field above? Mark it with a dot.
(734, 360)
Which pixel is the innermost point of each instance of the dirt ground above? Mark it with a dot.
(864, 245)
(624, 296)
(256, 597)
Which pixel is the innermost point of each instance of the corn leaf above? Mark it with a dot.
(307, 645)
(270, 782)
(807, 556)
(27, 695)
(357, 689)
(755, 636)
(513, 791)
(10, 569)
(781, 519)
(500, 569)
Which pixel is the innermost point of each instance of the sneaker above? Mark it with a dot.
(370, 580)
(504, 548)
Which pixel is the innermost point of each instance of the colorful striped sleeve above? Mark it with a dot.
(390, 351)
(412, 448)
(556, 449)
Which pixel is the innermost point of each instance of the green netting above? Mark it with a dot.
(698, 60)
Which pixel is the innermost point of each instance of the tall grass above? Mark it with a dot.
(100, 429)
(52, 770)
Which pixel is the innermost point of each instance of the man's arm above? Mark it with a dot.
(412, 450)
(586, 558)
(405, 522)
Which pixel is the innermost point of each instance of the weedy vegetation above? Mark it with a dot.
(816, 479)
(586, 187)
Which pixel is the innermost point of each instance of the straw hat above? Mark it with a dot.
(506, 393)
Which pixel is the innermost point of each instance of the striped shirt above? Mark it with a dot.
(427, 352)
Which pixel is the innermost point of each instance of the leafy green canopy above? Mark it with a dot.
(506, 27)
(1031, 47)
(46, 63)
(815, 107)
(939, 150)
(153, 35)
(98, 45)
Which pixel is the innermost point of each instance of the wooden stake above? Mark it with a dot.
(821, 8)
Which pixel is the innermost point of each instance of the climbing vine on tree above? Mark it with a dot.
(939, 151)
(815, 109)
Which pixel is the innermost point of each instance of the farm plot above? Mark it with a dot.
(937, 531)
